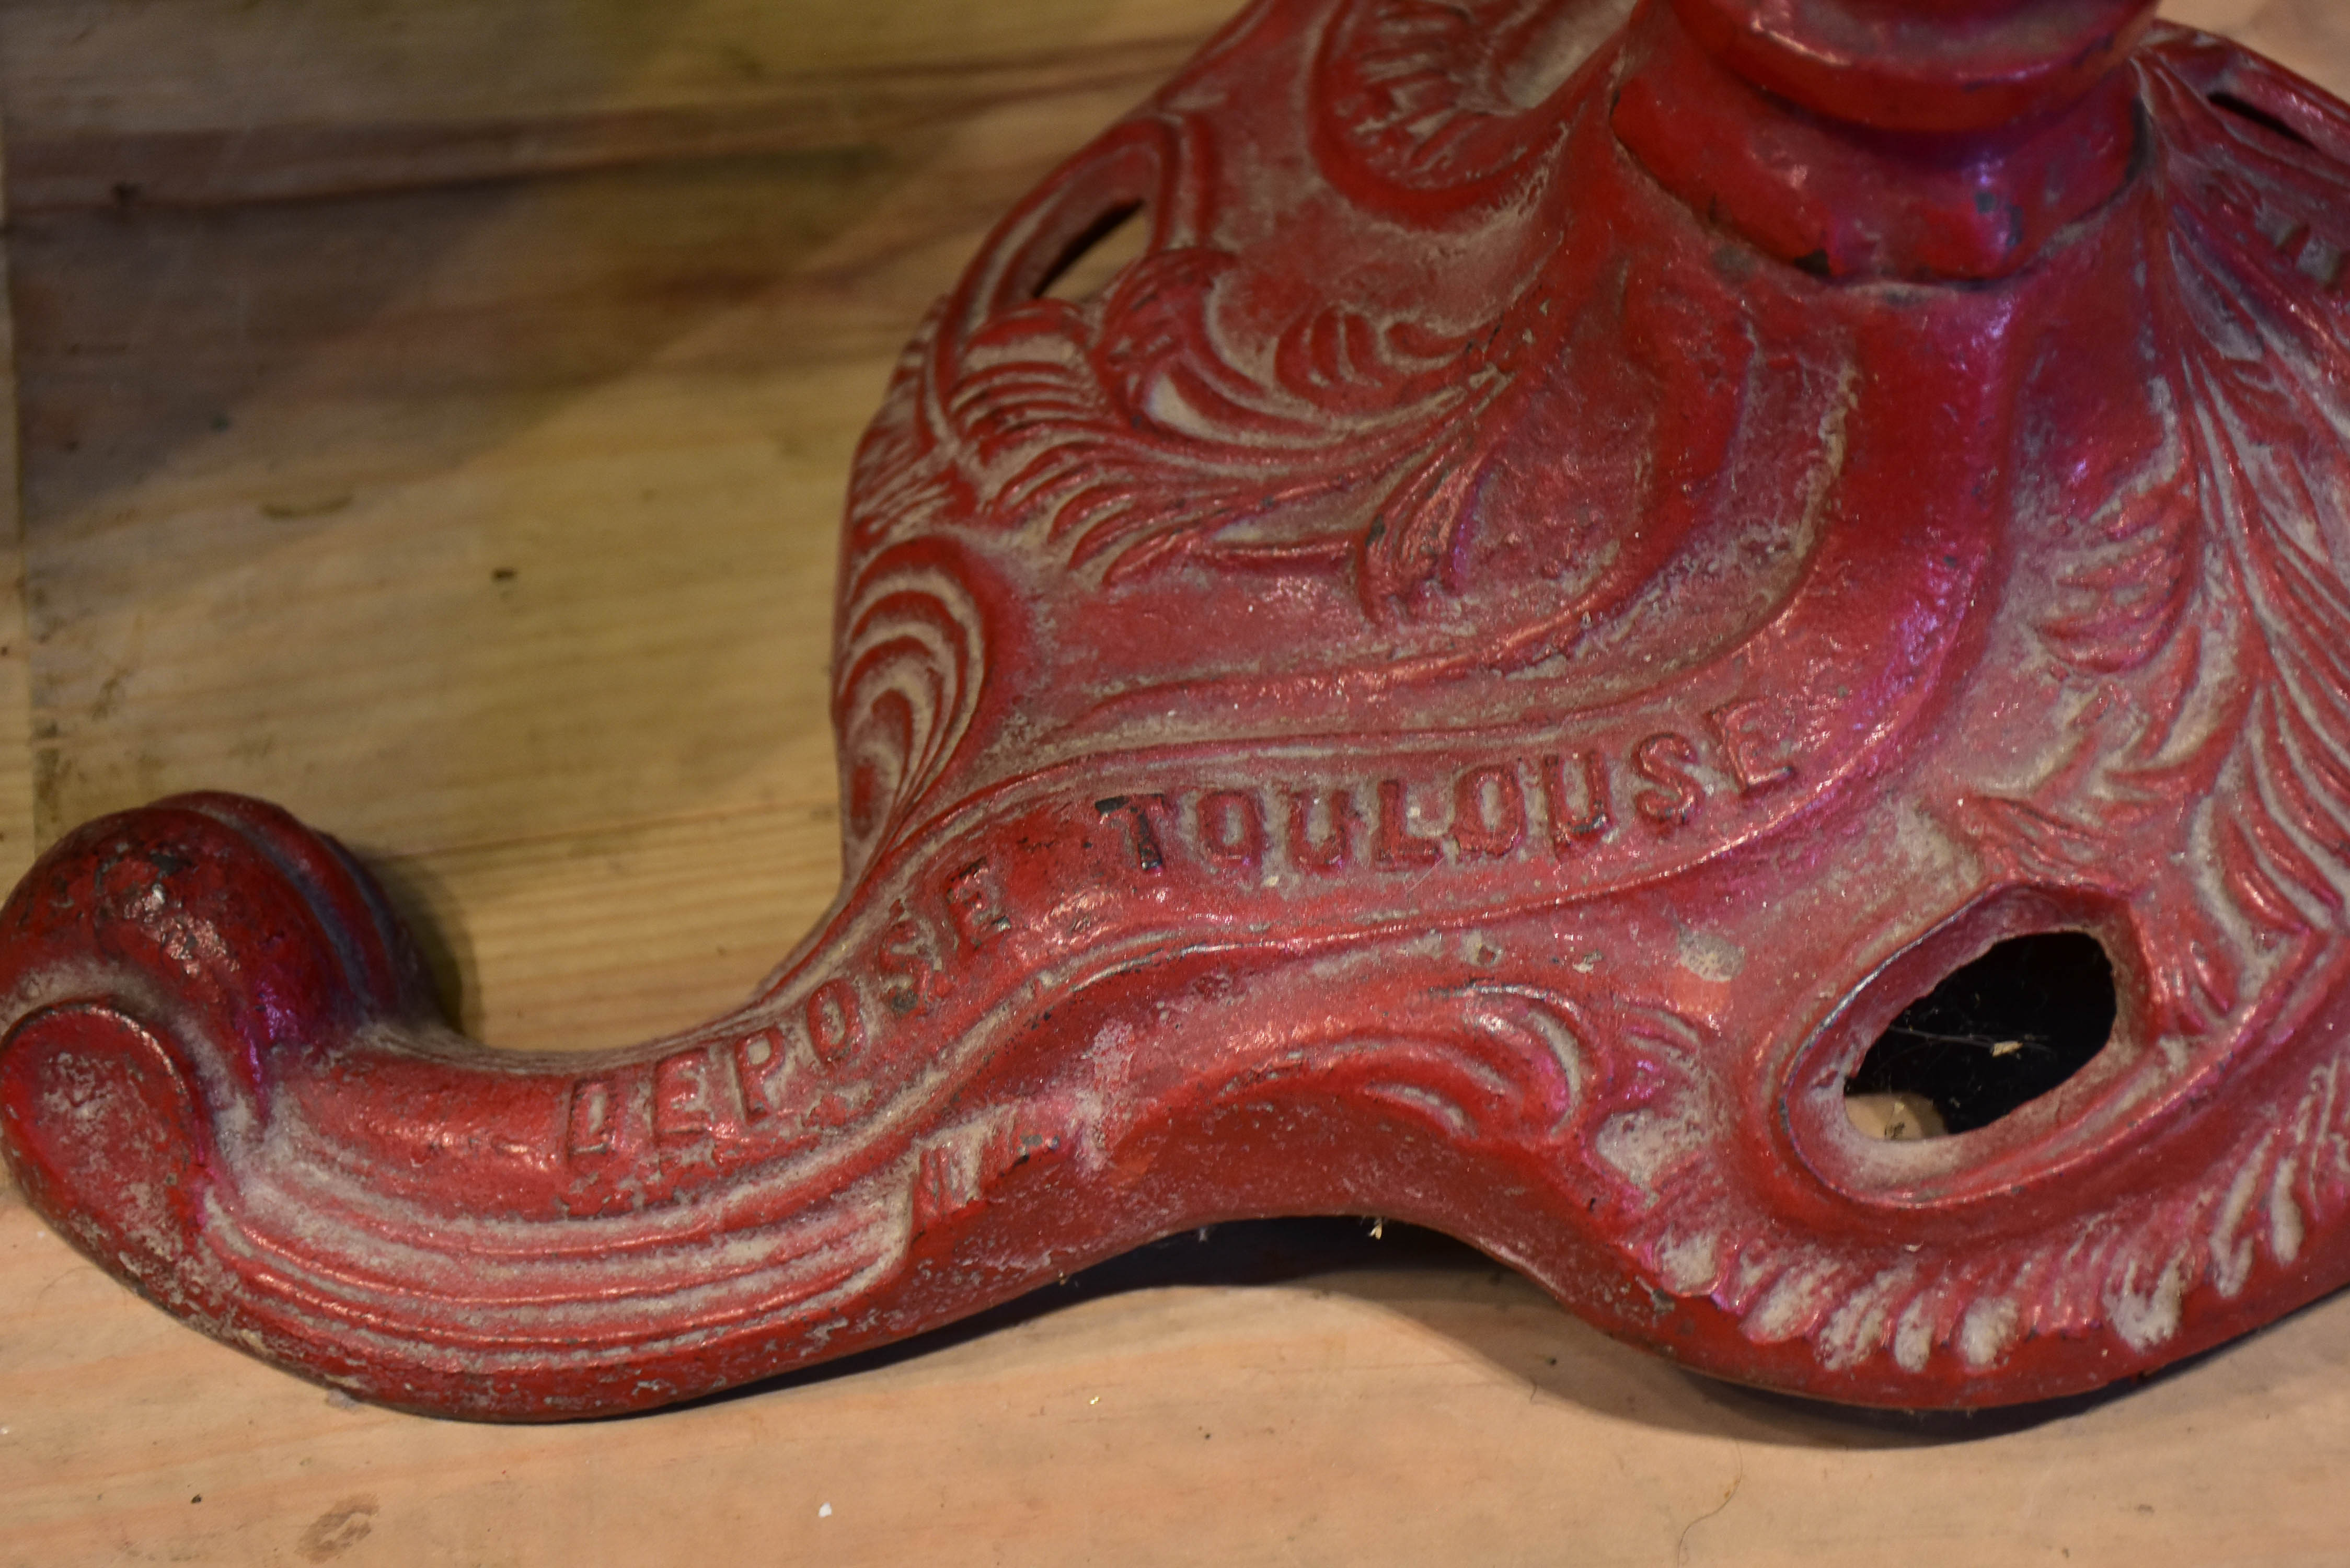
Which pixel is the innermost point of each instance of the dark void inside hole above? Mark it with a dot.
(2244, 109)
(1993, 1036)
(1088, 262)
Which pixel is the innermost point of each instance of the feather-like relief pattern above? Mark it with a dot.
(2216, 590)
(1174, 413)
(1431, 98)
(2120, 601)
(1121, 431)
(2261, 375)
(901, 485)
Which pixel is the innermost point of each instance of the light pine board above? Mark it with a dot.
(441, 430)
(219, 100)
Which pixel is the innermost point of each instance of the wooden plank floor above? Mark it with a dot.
(454, 454)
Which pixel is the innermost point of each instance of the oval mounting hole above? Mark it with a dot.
(1994, 1035)
(1101, 248)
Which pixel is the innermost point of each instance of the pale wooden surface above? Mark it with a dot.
(441, 430)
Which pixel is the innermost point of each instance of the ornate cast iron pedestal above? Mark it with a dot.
(1592, 562)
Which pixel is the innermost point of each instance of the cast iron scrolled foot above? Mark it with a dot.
(1601, 557)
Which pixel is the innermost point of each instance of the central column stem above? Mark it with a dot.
(1842, 142)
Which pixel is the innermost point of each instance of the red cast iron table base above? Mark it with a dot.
(1590, 563)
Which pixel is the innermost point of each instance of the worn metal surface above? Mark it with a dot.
(1470, 681)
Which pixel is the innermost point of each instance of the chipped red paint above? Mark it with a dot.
(1468, 683)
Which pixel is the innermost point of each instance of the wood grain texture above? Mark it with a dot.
(211, 103)
(1402, 1416)
(463, 518)
(480, 505)
(17, 833)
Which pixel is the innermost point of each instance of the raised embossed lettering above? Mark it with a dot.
(1143, 833)
(1394, 844)
(975, 899)
(1755, 750)
(1663, 778)
(1489, 811)
(591, 1119)
(1668, 761)
(1232, 827)
(835, 1022)
(759, 1068)
(682, 1108)
(1572, 820)
(1331, 851)
(910, 967)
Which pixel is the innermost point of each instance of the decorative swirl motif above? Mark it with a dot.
(911, 660)
(2260, 380)
(1700, 1227)
(902, 485)
(1494, 1064)
(1122, 431)
(1194, 411)
(2214, 591)
(1419, 99)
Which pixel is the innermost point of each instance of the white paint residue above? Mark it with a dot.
(2145, 1321)
(2285, 1231)
(1170, 408)
(1710, 957)
(1987, 1330)
(1853, 1333)
(2177, 1054)
(2231, 1254)
(1913, 1340)
(1110, 1055)
(1791, 1305)
(1753, 1272)
(1563, 1047)
(1643, 1144)
(1686, 1265)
